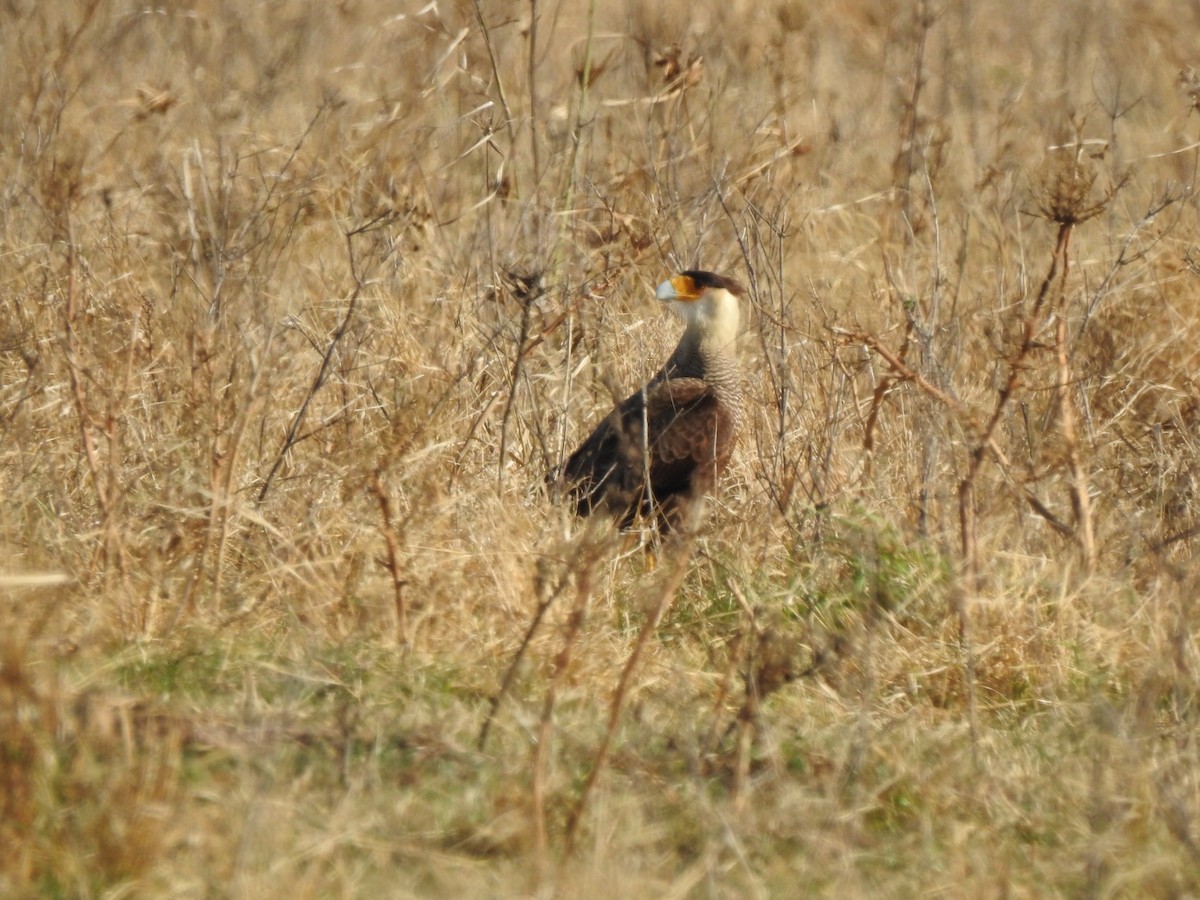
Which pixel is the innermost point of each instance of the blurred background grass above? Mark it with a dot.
(301, 301)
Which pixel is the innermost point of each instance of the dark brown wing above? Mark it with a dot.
(691, 438)
(606, 470)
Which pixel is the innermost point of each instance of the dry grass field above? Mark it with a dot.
(300, 302)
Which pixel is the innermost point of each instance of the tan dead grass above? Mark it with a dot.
(423, 253)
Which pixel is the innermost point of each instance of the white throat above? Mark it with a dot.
(712, 321)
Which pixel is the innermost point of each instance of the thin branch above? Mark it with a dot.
(680, 549)
(528, 291)
(549, 595)
(508, 116)
(562, 664)
(298, 420)
(394, 566)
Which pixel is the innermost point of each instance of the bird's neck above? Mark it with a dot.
(703, 352)
(706, 349)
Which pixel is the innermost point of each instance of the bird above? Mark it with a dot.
(660, 452)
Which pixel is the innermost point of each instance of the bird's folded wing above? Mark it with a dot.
(690, 429)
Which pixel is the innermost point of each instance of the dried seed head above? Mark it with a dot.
(1065, 190)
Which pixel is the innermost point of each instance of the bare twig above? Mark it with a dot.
(394, 566)
(1081, 502)
(548, 592)
(533, 95)
(906, 159)
(745, 634)
(527, 289)
(906, 372)
(291, 438)
(562, 662)
(71, 313)
(679, 550)
(1016, 366)
(487, 41)
(581, 112)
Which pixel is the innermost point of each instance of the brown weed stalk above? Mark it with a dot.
(583, 571)
(678, 548)
(293, 432)
(550, 586)
(392, 560)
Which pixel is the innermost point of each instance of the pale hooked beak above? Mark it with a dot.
(666, 291)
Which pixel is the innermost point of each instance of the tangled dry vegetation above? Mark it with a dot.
(301, 301)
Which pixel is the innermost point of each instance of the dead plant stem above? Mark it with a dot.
(545, 732)
(509, 125)
(1081, 503)
(293, 431)
(679, 549)
(393, 563)
(1016, 366)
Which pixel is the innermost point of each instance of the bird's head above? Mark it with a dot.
(707, 302)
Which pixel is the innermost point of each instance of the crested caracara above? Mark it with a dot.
(662, 449)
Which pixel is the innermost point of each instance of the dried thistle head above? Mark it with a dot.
(525, 285)
(1065, 190)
